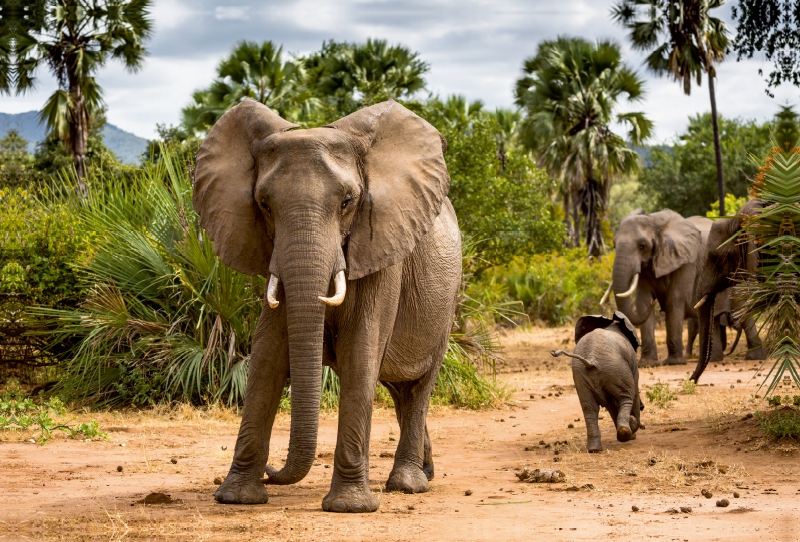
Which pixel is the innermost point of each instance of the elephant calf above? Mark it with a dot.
(606, 375)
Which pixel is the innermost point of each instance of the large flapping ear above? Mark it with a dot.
(406, 183)
(224, 180)
(627, 329)
(587, 324)
(678, 242)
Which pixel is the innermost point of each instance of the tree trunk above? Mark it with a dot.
(576, 219)
(591, 205)
(717, 146)
(78, 131)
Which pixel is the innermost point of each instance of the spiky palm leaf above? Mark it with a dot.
(772, 293)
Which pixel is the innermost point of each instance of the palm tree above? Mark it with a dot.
(569, 95)
(684, 41)
(252, 71)
(375, 70)
(74, 38)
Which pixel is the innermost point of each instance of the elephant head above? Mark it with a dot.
(723, 260)
(656, 244)
(312, 207)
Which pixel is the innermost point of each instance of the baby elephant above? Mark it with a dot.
(606, 375)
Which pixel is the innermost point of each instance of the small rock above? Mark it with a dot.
(671, 511)
(735, 494)
(122, 444)
(722, 503)
(386, 454)
(541, 476)
(391, 439)
(686, 509)
(157, 498)
(468, 492)
(634, 508)
(327, 466)
(31, 441)
(174, 460)
(119, 468)
(541, 442)
(707, 494)
(502, 419)
(411, 507)
(218, 480)
(571, 426)
(556, 459)
(722, 470)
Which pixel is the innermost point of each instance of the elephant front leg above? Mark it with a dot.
(693, 328)
(649, 357)
(717, 344)
(622, 420)
(755, 350)
(269, 368)
(413, 463)
(350, 491)
(674, 322)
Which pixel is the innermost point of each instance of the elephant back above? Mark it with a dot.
(587, 324)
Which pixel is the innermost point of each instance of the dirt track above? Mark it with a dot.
(71, 489)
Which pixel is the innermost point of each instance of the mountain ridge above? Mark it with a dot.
(126, 146)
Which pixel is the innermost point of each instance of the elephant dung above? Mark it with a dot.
(541, 476)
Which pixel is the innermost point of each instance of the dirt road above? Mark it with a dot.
(71, 490)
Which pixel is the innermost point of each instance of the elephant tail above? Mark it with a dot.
(587, 363)
(735, 342)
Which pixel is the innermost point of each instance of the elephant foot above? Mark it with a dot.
(350, 498)
(241, 489)
(757, 354)
(716, 356)
(594, 446)
(624, 434)
(408, 479)
(675, 360)
(649, 362)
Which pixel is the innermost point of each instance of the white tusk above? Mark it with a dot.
(272, 290)
(340, 282)
(605, 295)
(701, 302)
(632, 289)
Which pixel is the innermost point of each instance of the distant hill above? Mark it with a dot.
(125, 145)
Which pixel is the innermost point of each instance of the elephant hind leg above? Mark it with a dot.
(413, 462)
(591, 410)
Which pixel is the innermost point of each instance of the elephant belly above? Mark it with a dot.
(431, 277)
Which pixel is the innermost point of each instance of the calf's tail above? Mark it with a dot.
(587, 363)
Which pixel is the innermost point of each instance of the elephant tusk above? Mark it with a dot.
(605, 295)
(632, 289)
(340, 282)
(701, 302)
(272, 290)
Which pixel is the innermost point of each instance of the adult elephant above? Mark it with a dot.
(723, 259)
(352, 224)
(657, 257)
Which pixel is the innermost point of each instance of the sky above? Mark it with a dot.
(475, 48)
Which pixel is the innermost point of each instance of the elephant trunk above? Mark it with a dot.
(705, 316)
(624, 277)
(307, 262)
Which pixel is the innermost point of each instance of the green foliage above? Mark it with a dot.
(16, 165)
(732, 206)
(682, 177)
(659, 394)
(509, 208)
(787, 126)
(771, 294)
(556, 288)
(569, 93)
(783, 423)
(689, 386)
(18, 411)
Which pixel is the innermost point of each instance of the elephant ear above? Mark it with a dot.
(627, 329)
(224, 180)
(406, 182)
(587, 324)
(678, 242)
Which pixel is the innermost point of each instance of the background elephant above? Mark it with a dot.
(606, 375)
(361, 203)
(657, 257)
(724, 308)
(716, 274)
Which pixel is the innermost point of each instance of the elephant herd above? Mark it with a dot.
(352, 225)
(688, 266)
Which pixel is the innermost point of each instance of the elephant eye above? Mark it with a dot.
(347, 199)
(641, 246)
(265, 206)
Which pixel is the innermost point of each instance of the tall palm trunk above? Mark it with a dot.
(591, 203)
(78, 129)
(717, 145)
(306, 261)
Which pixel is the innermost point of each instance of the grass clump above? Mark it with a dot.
(689, 387)
(780, 423)
(660, 395)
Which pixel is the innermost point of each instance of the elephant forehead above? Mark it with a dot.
(306, 147)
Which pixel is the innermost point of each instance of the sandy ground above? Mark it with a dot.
(72, 490)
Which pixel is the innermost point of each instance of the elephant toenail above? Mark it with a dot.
(358, 508)
(227, 498)
(339, 506)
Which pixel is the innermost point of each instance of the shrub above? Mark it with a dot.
(557, 288)
(660, 395)
(782, 423)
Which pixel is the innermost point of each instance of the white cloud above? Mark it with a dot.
(232, 13)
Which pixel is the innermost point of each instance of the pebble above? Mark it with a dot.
(722, 503)
(634, 508)
(570, 426)
(411, 507)
(218, 480)
(468, 492)
(735, 494)
(174, 461)
(122, 444)
(707, 494)
(686, 509)
(119, 468)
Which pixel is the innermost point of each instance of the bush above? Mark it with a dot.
(660, 395)
(782, 423)
(556, 288)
